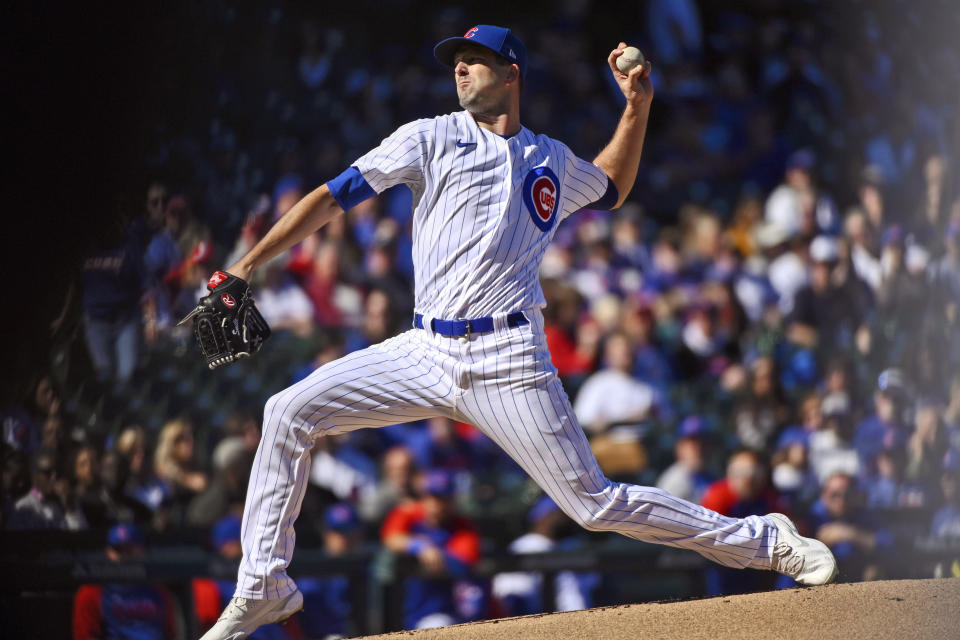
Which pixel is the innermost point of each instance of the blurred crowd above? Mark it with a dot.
(770, 323)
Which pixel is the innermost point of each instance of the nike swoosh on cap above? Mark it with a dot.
(464, 144)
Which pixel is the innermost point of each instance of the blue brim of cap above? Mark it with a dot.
(446, 49)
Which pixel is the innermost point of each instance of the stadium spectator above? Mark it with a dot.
(785, 269)
(851, 532)
(192, 277)
(651, 365)
(863, 249)
(282, 302)
(572, 344)
(254, 226)
(792, 477)
(611, 396)
(394, 487)
(903, 295)
(831, 446)
(14, 481)
(112, 504)
(745, 489)
(674, 28)
(519, 593)
(225, 494)
(85, 470)
(327, 605)
(20, 432)
(244, 425)
(761, 411)
(790, 206)
(378, 322)
(47, 402)
(140, 482)
(811, 420)
(85, 473)
(53, 438)
(441, 446)
(161, 259)
(335, 303)
(380, 274)
(951, 415)
(886, 486)
(184, 225)
(946, 521)
(342, 469)
(123, 609)
(945, 272)
(114, 278)
(932, 213)
(884, 428)
(65, 490)
(687, 477)
(833, 305)
(42, 506)
(445, 545)
(175, 467)
(926, 447)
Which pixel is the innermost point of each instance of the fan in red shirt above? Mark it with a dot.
(446, 545)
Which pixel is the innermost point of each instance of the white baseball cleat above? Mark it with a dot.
(806, 560)
(243, 616)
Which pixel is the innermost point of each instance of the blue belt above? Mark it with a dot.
(466, 327)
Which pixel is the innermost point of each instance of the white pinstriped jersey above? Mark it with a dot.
(485, 209)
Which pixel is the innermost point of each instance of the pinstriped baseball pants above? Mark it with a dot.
(502, 382)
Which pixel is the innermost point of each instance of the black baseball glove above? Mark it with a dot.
(229, 325)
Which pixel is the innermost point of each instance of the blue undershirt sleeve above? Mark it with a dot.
(609, 199)
(350, 189)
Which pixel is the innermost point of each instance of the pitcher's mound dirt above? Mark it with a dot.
(908, 609)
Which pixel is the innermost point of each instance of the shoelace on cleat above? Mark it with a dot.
(788, 562)
(237, 605)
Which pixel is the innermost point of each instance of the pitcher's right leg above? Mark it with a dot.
(392, 382)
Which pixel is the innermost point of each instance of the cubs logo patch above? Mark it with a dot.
(228, 300)
(471, 32)
(541, 194)
(217, 279)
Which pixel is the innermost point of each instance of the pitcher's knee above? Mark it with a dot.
(283, 411)
(596, 520)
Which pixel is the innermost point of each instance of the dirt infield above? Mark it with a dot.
(912, 609)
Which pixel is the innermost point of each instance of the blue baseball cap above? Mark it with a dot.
(891, 381)
(438, 482)
(227, 529)
(498, 39)
(123, 535)
(341, 517)
(544, 507)
(801, 159)
(692, 427)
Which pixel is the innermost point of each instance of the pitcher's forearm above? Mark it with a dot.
(620, 159)
(313, 211)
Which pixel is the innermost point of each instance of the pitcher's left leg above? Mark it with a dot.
(534, 423)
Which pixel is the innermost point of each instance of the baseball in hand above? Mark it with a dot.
(630, 58)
